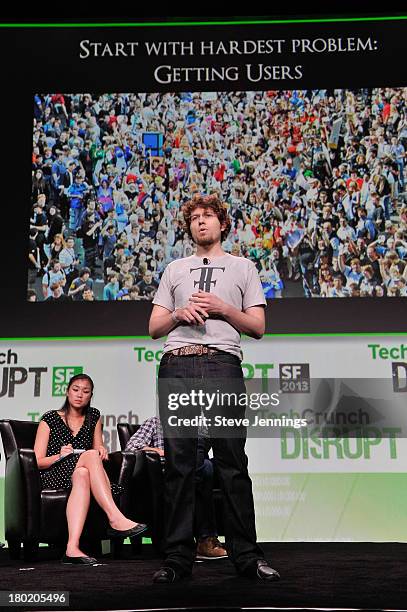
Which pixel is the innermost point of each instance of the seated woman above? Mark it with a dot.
(69, 452)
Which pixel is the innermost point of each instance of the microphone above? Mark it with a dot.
(206, 261)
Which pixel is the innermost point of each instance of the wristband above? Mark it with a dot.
(174, 316)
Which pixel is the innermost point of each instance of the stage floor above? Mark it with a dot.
(313, 575)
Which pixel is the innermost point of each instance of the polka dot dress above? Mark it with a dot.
(58, 475)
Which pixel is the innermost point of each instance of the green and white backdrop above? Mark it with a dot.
(330, 493)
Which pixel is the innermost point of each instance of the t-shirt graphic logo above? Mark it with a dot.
(205, 281)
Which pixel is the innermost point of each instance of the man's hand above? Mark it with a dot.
(210, 302)
(193, 314)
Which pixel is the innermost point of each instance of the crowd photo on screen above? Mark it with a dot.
(314, 182)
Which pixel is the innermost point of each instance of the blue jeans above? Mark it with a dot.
(180, 447)
(75, 218)
(401, 174)
(386, 206)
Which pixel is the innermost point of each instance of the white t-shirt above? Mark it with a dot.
(235, 280)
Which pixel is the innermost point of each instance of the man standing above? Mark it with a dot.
(54, 274)
(90, 230)
(203, 304)
(80, 284)
(76, 194)
(68, 260)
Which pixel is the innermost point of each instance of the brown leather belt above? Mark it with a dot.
(194, 349)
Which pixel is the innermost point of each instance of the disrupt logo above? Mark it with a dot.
(13, 375)
(321, 443)
(294, 378)
(61, 376)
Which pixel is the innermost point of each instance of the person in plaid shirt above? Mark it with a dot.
(148, 437)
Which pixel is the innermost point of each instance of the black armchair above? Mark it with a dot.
(32, 515)
(148, 480)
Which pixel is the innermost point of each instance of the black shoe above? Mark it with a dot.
(126, 533)
(265, 572)
(78, 560)
(168, 575)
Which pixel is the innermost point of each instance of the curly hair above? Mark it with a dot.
(207, 201)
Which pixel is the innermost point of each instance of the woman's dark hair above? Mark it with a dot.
(66, 406)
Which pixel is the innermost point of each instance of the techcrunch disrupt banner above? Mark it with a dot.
(363, 498)
(34, 375)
